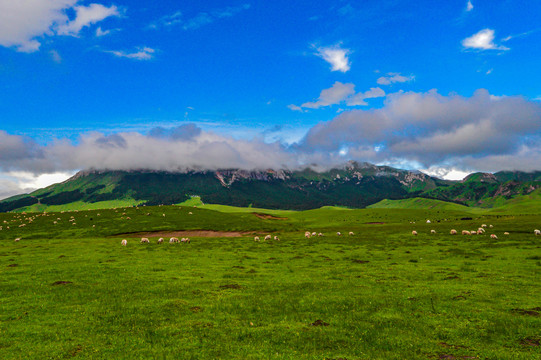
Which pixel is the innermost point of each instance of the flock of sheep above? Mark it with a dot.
(479, 231)
(173, 240)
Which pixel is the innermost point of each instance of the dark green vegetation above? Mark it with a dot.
(355, 185)
(70, 290)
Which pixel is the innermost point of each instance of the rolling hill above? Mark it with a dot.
(355, 185)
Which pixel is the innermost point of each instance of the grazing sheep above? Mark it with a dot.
(480, 230)
(537, 232)
(351, 233)
(256, 238)
(145, 241)
(493, 236)
(473, 232)
(268, 237)
(506, 233)
(276, 238)
(320, 234)
(160, 240)
(185, 240)
(490, 226)
(173, 240)
(124, 242)
(432, 231)
(339, 233)
(484, 225)
(453, 232)
(17, 239)
(307, 235)
(428, 221)
(414, 233)
(465, 232)
(314, 233)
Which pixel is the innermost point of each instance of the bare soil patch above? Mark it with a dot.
(531, 312)
(357, 261)
(375, 223)
(319, 323)
(530, 341)
(231, 286)
(61, 283)
(188, 233)
(268, 216)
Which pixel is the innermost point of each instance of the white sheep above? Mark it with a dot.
(307, 234)
(173, 240)
(276, 238)
(268, 237)
(124, 242)
(432, 231)
(465, 232)
(256, 238)
(339, 233)
(320, 234)
(17, 239)
(145, 241)
(160, 240)
(493, 236)
(314, 233)
(185, 240)
(453, 232)
(537, 232)
(414, 233)
(506, 233)
(351, 233)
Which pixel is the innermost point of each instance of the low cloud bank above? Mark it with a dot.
(428, 130)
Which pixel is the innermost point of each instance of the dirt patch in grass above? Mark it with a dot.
(530, 341)
(231, 286)
(13, 265)
(374, 223)
(531, 312)
(196, 309)
(360, 261)
(187, 233)
(61, 283)
(319, 323)
(269, 217)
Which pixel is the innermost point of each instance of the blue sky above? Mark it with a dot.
(308, 81)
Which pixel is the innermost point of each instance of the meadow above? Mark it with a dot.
(70, 290)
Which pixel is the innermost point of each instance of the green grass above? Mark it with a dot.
(384, 293)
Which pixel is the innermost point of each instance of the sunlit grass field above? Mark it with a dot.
(71, 290)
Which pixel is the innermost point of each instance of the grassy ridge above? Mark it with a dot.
(72, 290)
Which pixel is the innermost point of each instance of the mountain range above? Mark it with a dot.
(355, 185)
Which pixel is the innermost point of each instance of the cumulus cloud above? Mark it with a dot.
(358, 99)
(339, 93)
(333, 95)
(141, 53)
(483, 40)
(86, 16)
(469, 6)
(430, 130)
(336, 56)
(394, 78)
(24, 22)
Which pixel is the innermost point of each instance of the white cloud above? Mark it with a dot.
(142, 53)
(483, 40)
(394, 78)
(339, 93)
(336, 56)
(23, 23)
(86, 16)
(333, 95)
(295, 108)
(55, 56)
(469, 6)
(358, 99)
(199, 20)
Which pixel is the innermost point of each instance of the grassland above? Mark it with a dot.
(73, 291)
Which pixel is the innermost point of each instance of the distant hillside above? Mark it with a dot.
(355, 185)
